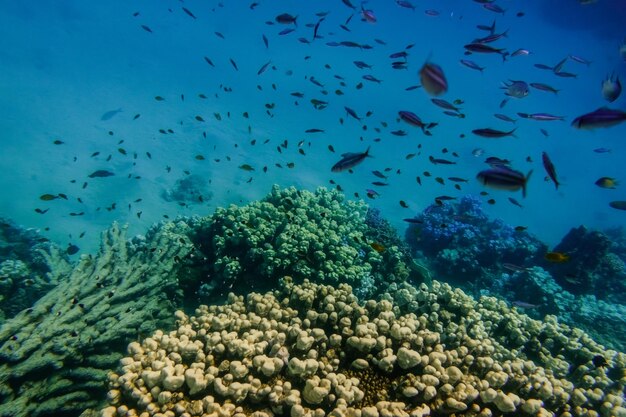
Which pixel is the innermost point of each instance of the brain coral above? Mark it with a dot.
(293, 232)
(312, 350)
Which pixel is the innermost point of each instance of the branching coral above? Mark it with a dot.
(54, 356)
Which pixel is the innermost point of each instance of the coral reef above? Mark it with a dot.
(460, 241)
(293, 232)
(54, 356)
(604, 322)
(312, 350)
(592, 267)
(23, 267)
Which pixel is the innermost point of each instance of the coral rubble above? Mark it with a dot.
(312, 350)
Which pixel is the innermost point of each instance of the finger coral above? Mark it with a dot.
(312, 350)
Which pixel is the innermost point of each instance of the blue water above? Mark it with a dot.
(64, 64)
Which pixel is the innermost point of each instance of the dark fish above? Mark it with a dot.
(314, 131)
(352, 113)
(619, 205)
(101, 173)
(544, 87)
(606, 182)
(433, 79)
(48, 197)
(485, 49)
(504, 178)
(544, 67)
(265, 41)
(110, 114)
(286, 19)
(350, 160)
(234, 64)
(188, 12)
(549, 167)
(208, 61)
(146, 28)
(263, 68)
(602, 117)
(413, 220)
(515, 202)
(440, 161)
(414, 120)
(72, 249)
(493, 133)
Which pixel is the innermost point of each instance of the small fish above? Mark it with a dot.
(72, 249)
(433, 79)
(550, 170)
(606, 182)
(618, 205)
(286, 19)
(556, 257)
(146, 28)
(48, 197)
(504, 178)
(413, 220)
(442, 161)
(544, 87)
(485, 49)
(611, 88)
(110, 114)
(504, 117)
(246, 167)
(377, 247)
(350, 160)
(602, 117)
(602, 150)
(472, 65)
(264, 68)
(188, 12)
(352, 113)
(101, 173)
(403, 204)
(515, 202)
(493, 133)
(520, 228)
(541, 117)
(524, 305)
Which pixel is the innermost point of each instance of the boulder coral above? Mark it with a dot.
(312, 350)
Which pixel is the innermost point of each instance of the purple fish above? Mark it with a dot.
(602, 117)
(542, 117)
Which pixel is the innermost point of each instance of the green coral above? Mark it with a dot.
(318, 236)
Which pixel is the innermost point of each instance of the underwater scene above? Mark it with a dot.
(342, 208)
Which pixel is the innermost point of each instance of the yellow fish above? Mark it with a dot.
(607, 182)
(556, 257)
(377, 247)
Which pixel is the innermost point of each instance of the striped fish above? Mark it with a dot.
(350, 160)
(433, 79)
(503, 178)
